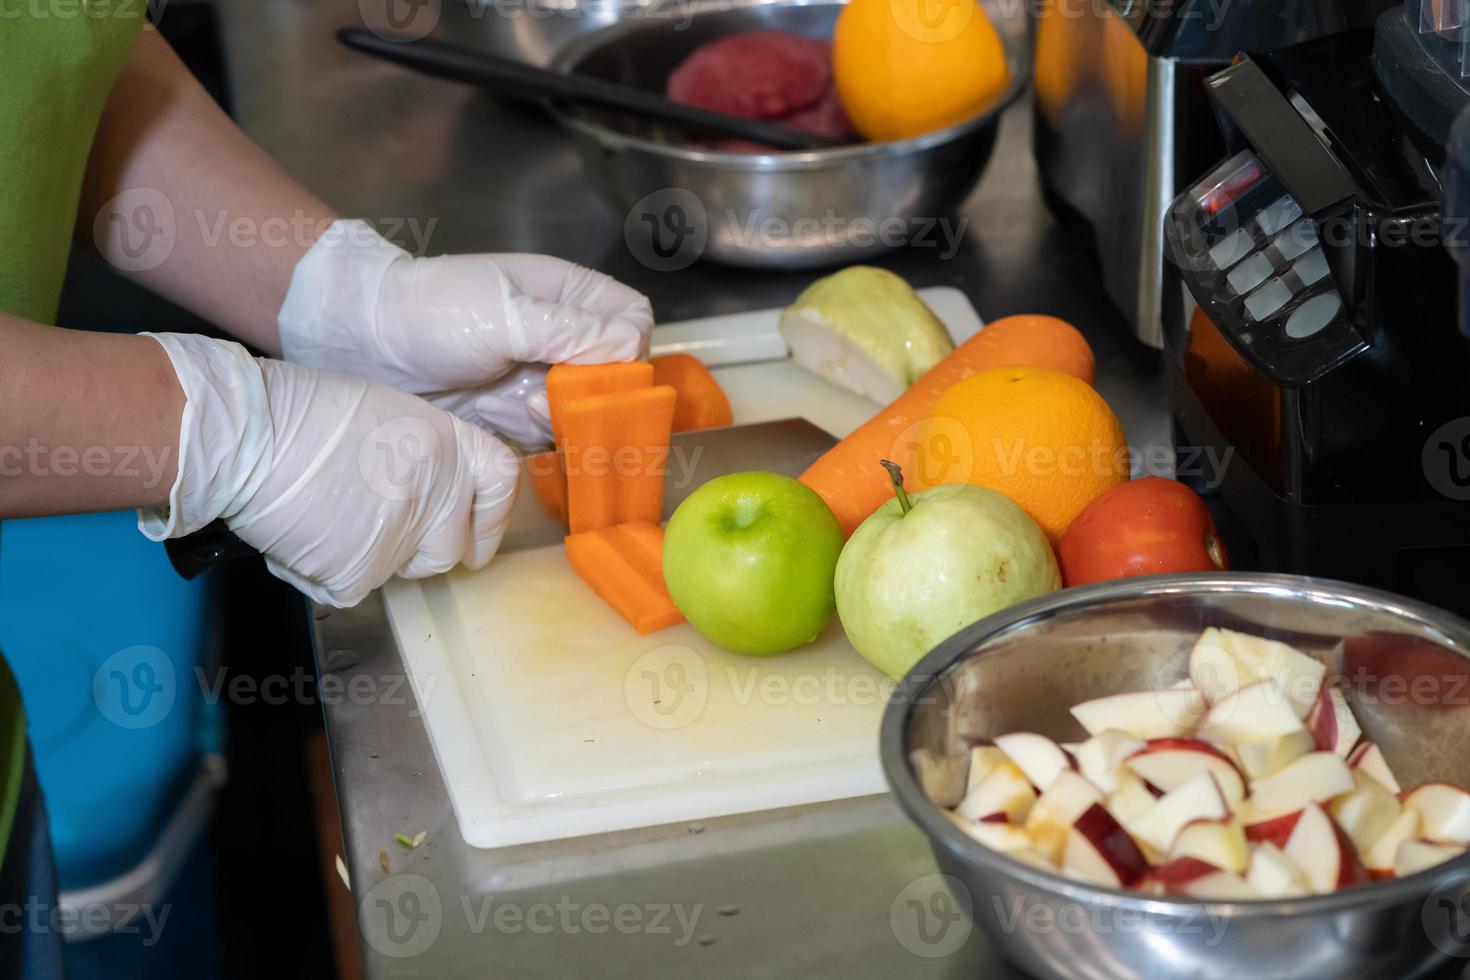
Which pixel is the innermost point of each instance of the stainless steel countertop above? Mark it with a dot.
(841, 889)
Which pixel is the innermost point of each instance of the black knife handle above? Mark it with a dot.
(524, 82)
(196, 553)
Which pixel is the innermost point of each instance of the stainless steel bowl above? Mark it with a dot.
(777, 210)
(1023, 668)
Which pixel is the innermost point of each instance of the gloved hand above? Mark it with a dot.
(471, 333)
(339, 481)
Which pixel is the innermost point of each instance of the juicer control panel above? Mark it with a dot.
(1255, 263)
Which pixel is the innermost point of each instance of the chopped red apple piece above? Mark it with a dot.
(1273, 830)
(1332, 723)
(1218, 842)
(1056, 810)
(1260, 759)
(1368, 759)
(1444, 812)
(939, 775)
(1380, 856)
(1416, 855)
(1197, 879)
(1129, 803)
(1099, 850)
(1006, 790)
(1198, 799)
(1257, 712)
(983, 760)
(1273, 874)
(1366, 812)
(1100, 756)
(1212, 669)
(1172, 876)
(1314, 778)
(997, 836)
(1326, 856)
(1383, 664)
(1221, 886)
(1038, 756)
(1169, 763)
(1143, 714)
(1223, 660)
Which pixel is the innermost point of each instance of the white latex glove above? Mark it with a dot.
(339, 481)
(471, 333)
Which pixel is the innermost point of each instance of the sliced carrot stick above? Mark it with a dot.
(702, 402)
(567, 382)
(624, 565)
(616, 450)
(850, 477)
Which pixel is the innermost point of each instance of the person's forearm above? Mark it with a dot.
(88, 421)
(240, 221)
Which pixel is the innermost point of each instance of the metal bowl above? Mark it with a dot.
(1021, 669)
(789, 210)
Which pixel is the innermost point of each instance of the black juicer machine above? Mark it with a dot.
(1323, 383)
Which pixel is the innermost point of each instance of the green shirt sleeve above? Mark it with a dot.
(58, 62)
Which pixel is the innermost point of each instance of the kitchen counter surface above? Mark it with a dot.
(842, 889)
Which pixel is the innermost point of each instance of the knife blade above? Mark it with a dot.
(786, 446)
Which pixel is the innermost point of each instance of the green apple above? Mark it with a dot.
(748, 559)
(921, 568)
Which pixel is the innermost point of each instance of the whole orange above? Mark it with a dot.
(1041, 437)
(908, 67)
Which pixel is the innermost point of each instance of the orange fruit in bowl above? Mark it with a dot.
(1043, 438)
(908, 67)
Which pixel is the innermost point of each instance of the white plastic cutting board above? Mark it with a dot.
(551, 718)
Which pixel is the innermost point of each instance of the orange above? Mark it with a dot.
(1041, 437)
(1040, 341)
(908, 67)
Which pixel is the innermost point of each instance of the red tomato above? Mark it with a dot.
(1142, 527)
